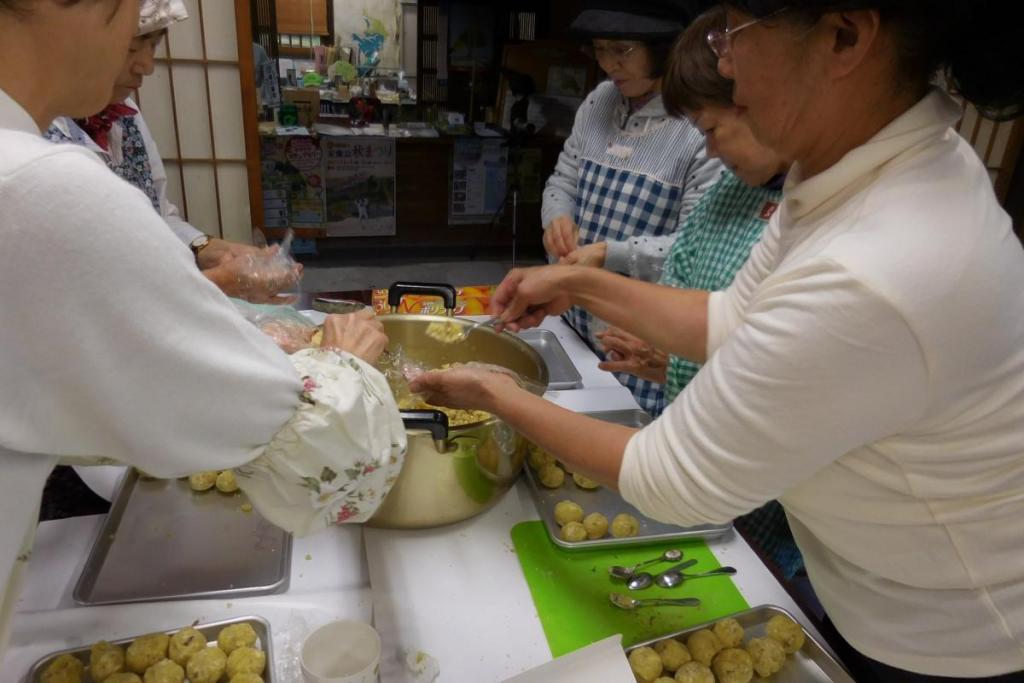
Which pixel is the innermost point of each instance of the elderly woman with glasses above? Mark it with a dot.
(866, 366)
(628, 173)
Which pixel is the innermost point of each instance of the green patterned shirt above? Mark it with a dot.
(713, 244)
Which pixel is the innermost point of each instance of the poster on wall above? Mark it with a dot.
(479, 180)
(304, 168)
(371, 26)
(360, 174)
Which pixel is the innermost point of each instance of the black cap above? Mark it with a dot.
(636, 19)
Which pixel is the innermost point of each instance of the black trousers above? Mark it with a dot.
(867, 670)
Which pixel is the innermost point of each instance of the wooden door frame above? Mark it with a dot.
(250, 117)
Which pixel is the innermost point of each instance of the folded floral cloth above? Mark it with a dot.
(156, 15)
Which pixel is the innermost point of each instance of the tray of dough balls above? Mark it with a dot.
(171, 539)
(760, 644)
(578, 513)
(233, 651)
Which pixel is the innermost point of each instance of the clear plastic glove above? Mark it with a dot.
(360, 334)
(289, 329)
(469, 388)
(561, 236)
(590, 255)
(217, 250)
(257, 277)
(632, 355)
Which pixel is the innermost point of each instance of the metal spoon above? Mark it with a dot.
(626, 573)
(643, 580)
(625, 602)
(673, 577)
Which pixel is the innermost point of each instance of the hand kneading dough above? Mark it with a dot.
(625, 525)
(235, 636)
(246, 678)
(64, 669)
(767, 654)
(694, 672)
(789, 633)
(105, 660)
(206, 666)
(567, 511)
(574, 532)
(146, 651)
(596, 525)
(202, 481)
(646, 664)
(226, 482)
(184, 644)
(703, 646)
(733, 665)
(729, 632)
(124, 678)
(246, 660)
(164, 671)
(673, 653)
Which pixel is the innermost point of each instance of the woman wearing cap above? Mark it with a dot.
(120, 137)
(628, 172)
(866, 367)
(114, 345)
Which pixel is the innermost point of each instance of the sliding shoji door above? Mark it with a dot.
(198, 104)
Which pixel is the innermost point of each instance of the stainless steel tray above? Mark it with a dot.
(810, 664)
(163, 541)
(211, 630)
(562, 374)
(610, 503)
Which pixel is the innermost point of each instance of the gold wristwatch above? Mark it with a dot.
(198, 244)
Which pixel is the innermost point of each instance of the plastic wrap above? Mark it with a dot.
(289, 329)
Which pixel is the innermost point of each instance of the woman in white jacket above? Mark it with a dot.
(115, 347)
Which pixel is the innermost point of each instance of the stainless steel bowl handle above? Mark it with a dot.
(434, 421)
(400, 289)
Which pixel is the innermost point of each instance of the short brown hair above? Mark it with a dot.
(692, 80)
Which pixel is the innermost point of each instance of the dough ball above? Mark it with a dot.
(703, 646)
(184, 644)
(767, 654)
(789, 633)
(646, 664)
(673, 653)
(538, 457)
(574, 532)
(246, 678)
(207, 666)
(596, 525)
(235, 636)
(164, 671)
(246, 660)
(567, 511)
(694, 672)
(551, 476)
(146, 651)
(733, 665)
(124, 678)
(226, 482)
(64, 669)
(624, 525)
(105, 660)
(584, 483)
(202, 481)
(729, 632)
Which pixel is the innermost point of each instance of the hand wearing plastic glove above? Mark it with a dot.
(258, 277)
(630, 354)
(361, 334)
(464, 387)
(217, 250)
(560, 236)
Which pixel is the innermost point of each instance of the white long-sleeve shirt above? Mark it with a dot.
(114, 346)
(867, 368)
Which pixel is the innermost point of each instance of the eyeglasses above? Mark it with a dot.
(720, 42)
(613, 53)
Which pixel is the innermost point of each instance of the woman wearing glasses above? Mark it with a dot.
(628, 172)
(866, 367)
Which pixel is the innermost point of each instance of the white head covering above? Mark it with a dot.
(156, 15)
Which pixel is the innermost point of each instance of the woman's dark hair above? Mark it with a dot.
(975, 44)
(692, 80)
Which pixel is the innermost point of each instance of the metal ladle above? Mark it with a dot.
(625, 602)
(626, 573)
(645, 580)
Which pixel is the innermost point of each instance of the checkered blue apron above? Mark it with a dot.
(615, 204)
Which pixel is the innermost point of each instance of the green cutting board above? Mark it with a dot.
(570, 590)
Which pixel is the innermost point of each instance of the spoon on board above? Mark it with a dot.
(625, 602)
(643, 580)
(626, 573)
(671, 578)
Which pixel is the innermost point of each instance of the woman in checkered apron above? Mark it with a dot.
(628, 170)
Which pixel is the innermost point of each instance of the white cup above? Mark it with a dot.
(342, 651)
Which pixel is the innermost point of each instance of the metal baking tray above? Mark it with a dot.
(562, 374)
(163, 541)
(810, 664)
(211, 630)
(610, 503)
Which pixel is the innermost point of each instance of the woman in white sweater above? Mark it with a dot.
(115, 347)
(866, 367)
